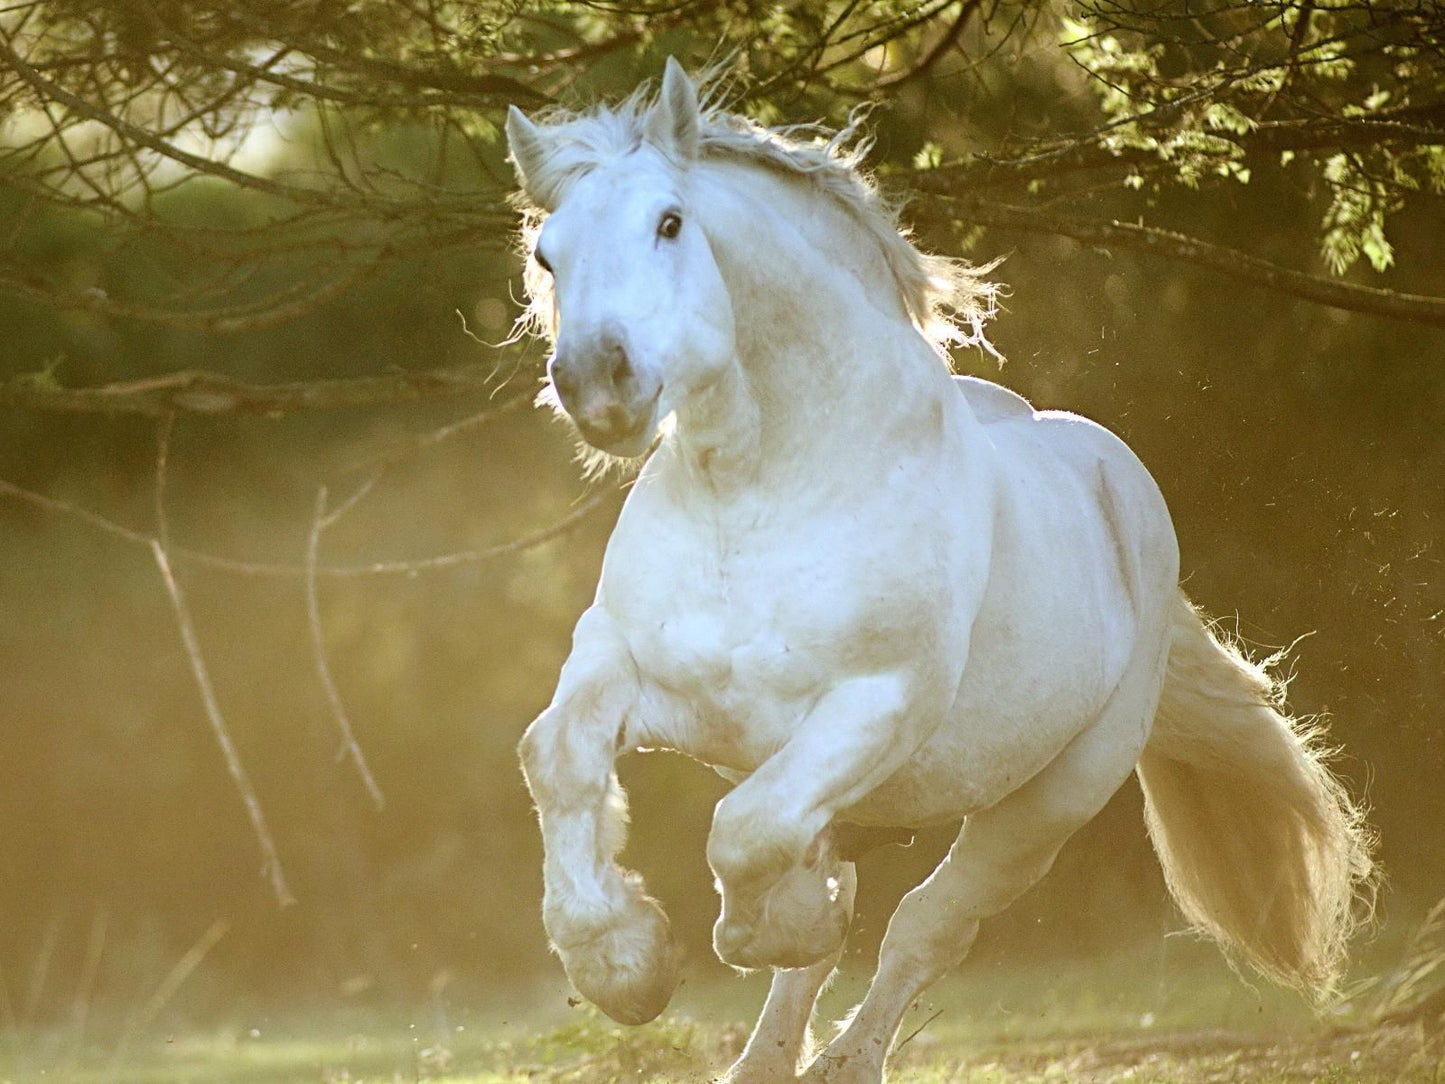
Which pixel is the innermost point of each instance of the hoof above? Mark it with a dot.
(799, 921)
(630, 969)
(841, 1069)
(745, 1073)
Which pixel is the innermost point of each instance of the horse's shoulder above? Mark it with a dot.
(993, 402)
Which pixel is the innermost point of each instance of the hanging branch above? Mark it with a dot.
(283, 571)
(194, 392)
(320, 521)
(271, 860)
(1372, 300)
(280, 308)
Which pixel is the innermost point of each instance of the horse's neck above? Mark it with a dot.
(831, 377)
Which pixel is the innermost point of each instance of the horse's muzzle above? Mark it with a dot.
(614, 428)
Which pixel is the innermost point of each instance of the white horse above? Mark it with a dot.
(868, 592)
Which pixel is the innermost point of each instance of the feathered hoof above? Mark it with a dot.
(757, 1072)
(841, 1069)
(796, 923)
(631, 968)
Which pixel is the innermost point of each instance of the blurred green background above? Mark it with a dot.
(1300, 449)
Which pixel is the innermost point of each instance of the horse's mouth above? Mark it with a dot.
(626, 440)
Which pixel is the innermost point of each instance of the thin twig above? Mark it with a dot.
(40, 972)
(464, 557)
(283, 571)
(89, 972)
(173, 981)
(7, 1009)
(915, 1032)
(405, 447)
(934, 55)
(319, 523)
(195, 392)
(1233, 263)
(271, 860)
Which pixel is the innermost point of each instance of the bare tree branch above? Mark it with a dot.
(137, 135)
(1413, 308)
(320, 521)
(271, 861)
(542, 535)
(195, 392)
(935, 54)
(268, 312)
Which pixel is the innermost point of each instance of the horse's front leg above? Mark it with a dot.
(613, 938)
(770, 848)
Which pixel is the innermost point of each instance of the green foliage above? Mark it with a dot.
(1342, 83)
(1354, 224)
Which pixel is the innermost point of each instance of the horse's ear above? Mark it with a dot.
(528, 147)
(675, 123)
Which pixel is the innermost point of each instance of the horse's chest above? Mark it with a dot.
(737, 640)
(724, 631)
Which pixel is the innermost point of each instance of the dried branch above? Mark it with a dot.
(89, 973)
(279, 308)
(49, 90)
(934, 55)
(283, 571)
(140, 137)
(319, 523)
(271, 861)
(195, 392)
(1372, 300)
(175, 978)
(487, 553)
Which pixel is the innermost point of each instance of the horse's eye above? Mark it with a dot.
(541, 260)
(670, 225)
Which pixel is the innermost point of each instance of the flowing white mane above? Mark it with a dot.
(949, 300)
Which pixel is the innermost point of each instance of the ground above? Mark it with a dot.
(678, 1050)
(1026, 1029)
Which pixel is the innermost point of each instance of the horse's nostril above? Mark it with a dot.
(619, 368)
(613, 363)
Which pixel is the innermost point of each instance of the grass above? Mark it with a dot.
(679, 1049)
(1174, 1017)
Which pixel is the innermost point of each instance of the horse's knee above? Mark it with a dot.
(625, 961)
(535, 751)
(753, 840)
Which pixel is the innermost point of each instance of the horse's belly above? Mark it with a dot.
(1041, 668)
(972, 761)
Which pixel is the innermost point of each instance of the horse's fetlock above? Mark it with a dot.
(630, 966)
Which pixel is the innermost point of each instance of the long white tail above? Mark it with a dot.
(1262, 847)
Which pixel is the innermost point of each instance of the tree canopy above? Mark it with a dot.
(368, 132)
(239, 406)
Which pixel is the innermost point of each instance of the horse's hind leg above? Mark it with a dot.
(1000, 853)
(780, 1037)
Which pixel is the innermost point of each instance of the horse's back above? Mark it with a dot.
(1050, 448)
(992, 402)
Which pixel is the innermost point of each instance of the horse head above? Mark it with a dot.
(640, 315)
